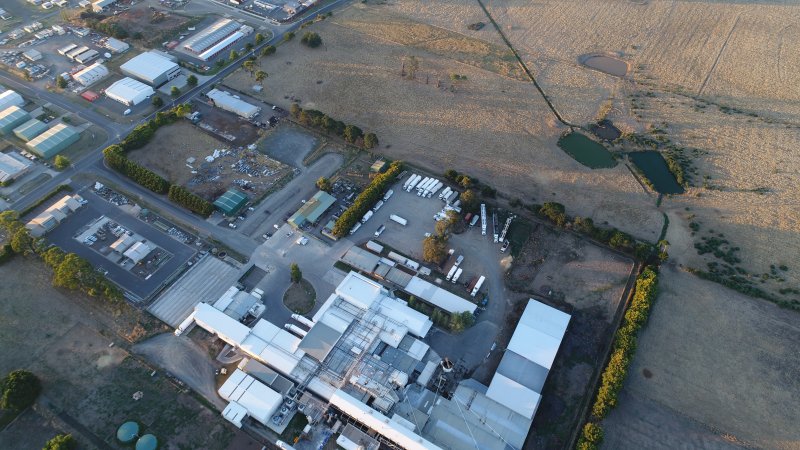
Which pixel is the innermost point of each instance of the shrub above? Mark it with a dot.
(268, 50)
(61, 442)
(295, 273)
(18, 390)
(61, 162)
(311, 39)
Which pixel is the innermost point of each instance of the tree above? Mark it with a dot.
(555, 212)
(461, 321)
(61, 442)
(434, 249)
(8, 219)
(191, 80)
(288, 36)
(61, 162)
(261, 75)
(296, 274)
(53, 256)
(295, 110)
(22, 242)
(157, 101)
(370, 140)
(352, 133)
(593, 433)
(234, 55)
(248, 46)
(464, 181)
(18, 390)
(469, 201)
(61, 82)
(259, 38)
(175, 91)
(268, 50)
(183, 109)
(324, 184)
(249, 66)
(311, 39)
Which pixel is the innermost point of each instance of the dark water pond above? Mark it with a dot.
(607, 64)
(605, 130)
(654, 167)
(590, 153)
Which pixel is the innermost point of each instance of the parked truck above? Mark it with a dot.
(477, 286)
(445, 192)
(456, 275)
(432, 191)
(398, 219)
(388, 195)
(409, 180)
(451, 273)
(377, 206)
(474, 220)
(366, 217)
(414, 182)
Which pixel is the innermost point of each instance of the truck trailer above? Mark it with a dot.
(398, 219)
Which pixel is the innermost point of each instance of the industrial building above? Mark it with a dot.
(115, 45)
(32, 55)
(54, 140)
(66, 49)
(216, 38)
(151, 68)
(91, 74)
(230, 202)
(228, 102)
(52, 216)
(10, 98)
(12, 166)
(71, 54)
(129, 92)
(11, 118)
(137, 252)
(100, 5)
(89, 55)
(312, 210)
(30, 129)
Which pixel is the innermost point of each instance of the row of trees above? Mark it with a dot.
(189, 200)
(116, 157)
(366, 199)
(350, 133)
(622, 353)
(467, 182)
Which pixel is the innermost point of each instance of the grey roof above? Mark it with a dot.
(12, 117)
(361, 259)
(397, 276)
(242, 302)
(30, 129)
(274, 380)
(52, 141)
(210, 35)
(319, 341)
(206, 281)
(523, 371)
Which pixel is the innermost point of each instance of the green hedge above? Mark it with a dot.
(194, 203)
(318, 119)
(116, 158)
(366, 199)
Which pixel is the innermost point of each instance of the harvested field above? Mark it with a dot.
(712, 366)
(588, 282)
(87, 383)
(362, 77)
(169, 150)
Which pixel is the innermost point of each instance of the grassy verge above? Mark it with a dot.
(51, 194)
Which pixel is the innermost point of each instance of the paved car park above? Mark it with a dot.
(64, 237)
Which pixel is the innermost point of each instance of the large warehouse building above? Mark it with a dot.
(151, 68)
(11, 118)
(12, 166)
(129, 92)
(312, 210)
(54, 140)
(10, 98)
(215, 39)
(91, 74)
(228, 102)
(30, 129)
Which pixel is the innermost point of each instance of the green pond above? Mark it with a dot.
(586, 151)
(654, 167)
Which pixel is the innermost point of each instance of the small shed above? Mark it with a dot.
(11, 118)
(378, 166)
(231, 202)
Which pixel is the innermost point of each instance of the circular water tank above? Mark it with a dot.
(147, 442)
(127, 432)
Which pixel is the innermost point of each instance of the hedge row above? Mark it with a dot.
(51, 194)
(192, 202)
(318, 119)
(366, 199)
(622, 353)
(115, 156)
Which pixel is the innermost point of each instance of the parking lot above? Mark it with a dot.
(140, 287)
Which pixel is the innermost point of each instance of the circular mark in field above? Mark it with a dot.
(647, 374)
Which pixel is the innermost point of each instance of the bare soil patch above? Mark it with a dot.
(588, 282)
(724, 361)
(168, 152)
(300, 297)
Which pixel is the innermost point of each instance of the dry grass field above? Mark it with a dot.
(87, 383)
(739, 387)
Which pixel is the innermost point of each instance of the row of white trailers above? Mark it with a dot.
(427, 187)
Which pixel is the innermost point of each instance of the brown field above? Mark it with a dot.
(87, 384)
(491, 126)
(739, 386)
(167, 152)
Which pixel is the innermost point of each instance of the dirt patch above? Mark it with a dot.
(29, 430)
(588, 282)
(705, 345)
(169, 151)
(151, 26)
(300, 297)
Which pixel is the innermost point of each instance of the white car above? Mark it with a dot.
(380, 230)
(302, 241)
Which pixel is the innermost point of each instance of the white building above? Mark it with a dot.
(100, 5)
(115, 45)
(52, 216)
(137, 252)
(32, 55)
(151, 68)
(12, 166)
(10, 98)
(129, 92)
(228, 102)
(91, 74)
(248, 397)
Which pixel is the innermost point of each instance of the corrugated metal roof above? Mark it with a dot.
(52, 141)
(30, 129)
(319, 341)
(148, 66)
(231, 201)
(210, 35)
(313, 209)
(129, 91)
(360, 259)
(439, 297)
(12, 117)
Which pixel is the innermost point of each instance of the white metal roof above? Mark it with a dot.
(234, 413)
(539, 332)
(439, 297)
(129, 91)
(360, 290)
(282, 361)
(226, 298)
(380, 423)
(397, 310)
(10, 98)
(12, 164)
(216, 48)
(513, 395)
(148, 66)
(90, 74)
(137, 252)
(217, 322)
(230, 103)
(260, 401)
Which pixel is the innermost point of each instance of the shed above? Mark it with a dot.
(378, 166)
(137, 252)
(90, 74)
(54, 140)
(151, 68)
(231, 202)
(11, 118)
(30, 129)
(312, 210)
(10, 98)
(115, 45)
(13, 165)
(226, 101)
(32, 55)
(129, 91)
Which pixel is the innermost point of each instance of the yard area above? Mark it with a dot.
(300, 297)
(712, 366)
(64, 338)
(169, 153)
